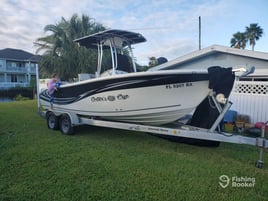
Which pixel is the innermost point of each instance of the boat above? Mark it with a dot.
(123, 94)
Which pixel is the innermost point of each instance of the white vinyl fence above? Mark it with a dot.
(251, 98)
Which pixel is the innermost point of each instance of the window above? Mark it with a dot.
(14, 78)
(2, 63)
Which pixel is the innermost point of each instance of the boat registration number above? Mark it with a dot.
(179, 85)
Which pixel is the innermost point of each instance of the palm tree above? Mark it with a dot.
(253, 33)
(62, 55)
(239, 40)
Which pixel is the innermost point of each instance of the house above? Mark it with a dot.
(17, 68)
(249, 94)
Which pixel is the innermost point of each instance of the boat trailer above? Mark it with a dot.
(65, 121)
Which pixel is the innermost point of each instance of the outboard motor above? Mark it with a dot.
(221, 82)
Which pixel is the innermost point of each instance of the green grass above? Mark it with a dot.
(108, 164)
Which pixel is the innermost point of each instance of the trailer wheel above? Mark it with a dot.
(52, 121)
(66, 125)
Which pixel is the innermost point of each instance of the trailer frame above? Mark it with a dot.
(65, 121)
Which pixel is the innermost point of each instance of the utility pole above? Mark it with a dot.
(199, 32)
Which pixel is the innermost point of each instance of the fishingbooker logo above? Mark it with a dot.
(237, 182)
(224, 181)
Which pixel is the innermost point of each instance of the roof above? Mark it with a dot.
(121, 38)
(17, 54)
(212, 50)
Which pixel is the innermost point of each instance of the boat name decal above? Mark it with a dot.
(98, 99)
(109, 98)
(179, 85)
(122, 96)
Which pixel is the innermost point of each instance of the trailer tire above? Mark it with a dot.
(52, 121)
(65, 125)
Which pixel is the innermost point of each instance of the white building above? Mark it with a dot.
(17, 68)
(249, 94)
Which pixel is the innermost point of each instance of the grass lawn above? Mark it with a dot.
(108, 164)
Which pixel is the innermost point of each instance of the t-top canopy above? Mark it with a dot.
(120, 38)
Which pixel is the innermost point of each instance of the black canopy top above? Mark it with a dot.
(120, 38)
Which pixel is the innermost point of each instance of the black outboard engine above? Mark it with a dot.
(221, 82)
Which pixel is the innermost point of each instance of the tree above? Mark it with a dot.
(239, 40)
(152, 61)
(62, 55)
(253, 33)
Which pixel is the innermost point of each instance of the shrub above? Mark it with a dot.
(19, 97)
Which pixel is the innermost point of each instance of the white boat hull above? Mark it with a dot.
(154, 105)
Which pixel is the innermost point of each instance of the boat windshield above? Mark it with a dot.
(119, 42)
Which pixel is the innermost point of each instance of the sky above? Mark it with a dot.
(170, 26)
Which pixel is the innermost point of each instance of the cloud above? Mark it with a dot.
(171, 27)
